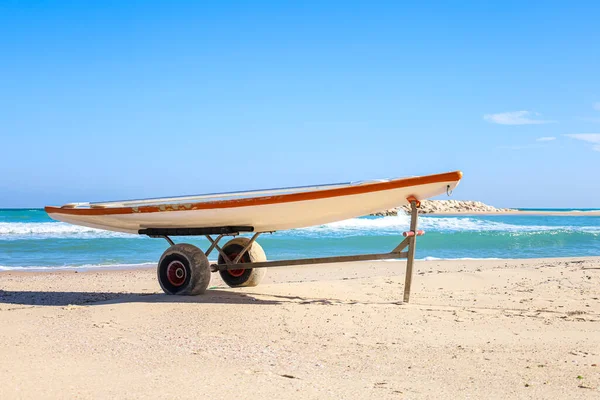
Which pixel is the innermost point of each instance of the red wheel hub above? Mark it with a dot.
(235, 272)
(176, 273)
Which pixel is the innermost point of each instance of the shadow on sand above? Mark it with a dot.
(43, 298)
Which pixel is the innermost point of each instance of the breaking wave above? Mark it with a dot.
(400, 223)
(85, 267)
(351, 227)
(52, 230)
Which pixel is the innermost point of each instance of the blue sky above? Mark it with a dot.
(116, 100)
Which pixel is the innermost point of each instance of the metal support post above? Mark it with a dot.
(168, 239)
(245, 249)
(412, 242)
(213, 244)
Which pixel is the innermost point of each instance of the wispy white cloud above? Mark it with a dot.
(545, 139)
(597, 105)
(516, 118)
(593, 138)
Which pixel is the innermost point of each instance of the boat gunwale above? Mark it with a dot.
(377, 186)
(245, 193)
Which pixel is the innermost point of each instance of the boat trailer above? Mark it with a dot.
(184, 269)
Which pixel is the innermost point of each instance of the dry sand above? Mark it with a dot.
(473, 329)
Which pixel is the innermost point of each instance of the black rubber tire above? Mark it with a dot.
(249, 277)
(188, 268)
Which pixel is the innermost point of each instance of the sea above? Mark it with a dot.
(30, 240)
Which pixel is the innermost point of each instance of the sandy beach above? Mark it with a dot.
(473, 329)
(189, 137)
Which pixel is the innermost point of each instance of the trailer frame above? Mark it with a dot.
(409, 243)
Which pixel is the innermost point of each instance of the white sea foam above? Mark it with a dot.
(86, 267)
(395, 224)
(355, 226)
(42, 230)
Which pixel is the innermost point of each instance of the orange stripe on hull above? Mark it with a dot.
(256, 201)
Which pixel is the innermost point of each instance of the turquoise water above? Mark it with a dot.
(29, 239)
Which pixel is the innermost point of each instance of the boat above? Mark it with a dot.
(262, 210)
(184, 269)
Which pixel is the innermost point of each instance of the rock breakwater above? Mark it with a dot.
(446, 207)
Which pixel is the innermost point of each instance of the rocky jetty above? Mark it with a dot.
(446, 206)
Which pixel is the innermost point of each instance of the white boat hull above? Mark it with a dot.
(268, 215)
